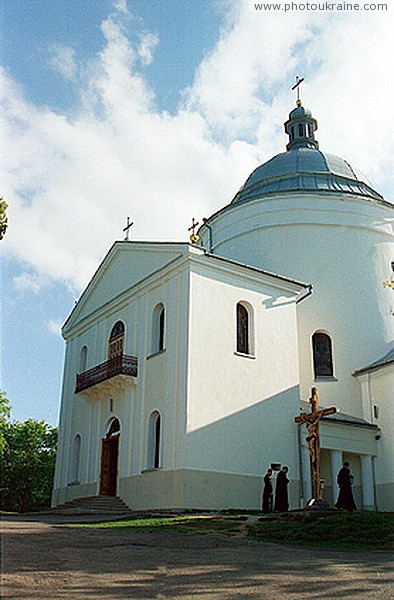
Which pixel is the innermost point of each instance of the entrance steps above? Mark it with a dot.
(111, 506)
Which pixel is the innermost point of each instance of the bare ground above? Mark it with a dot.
(46, 558)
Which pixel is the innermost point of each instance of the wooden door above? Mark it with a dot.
(109, 466)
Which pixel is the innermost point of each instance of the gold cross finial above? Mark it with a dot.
(193, 237)
(296, 86)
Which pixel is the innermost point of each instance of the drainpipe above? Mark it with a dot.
(309, 289)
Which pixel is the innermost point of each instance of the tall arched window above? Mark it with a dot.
(154, 432)
(322, 355)
(83, 359)
(113, 428)
(158, 328)
(75, 459)
(244, 338)
(116, 340)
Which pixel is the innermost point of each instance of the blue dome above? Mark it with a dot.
(299, 112)
(305, 169)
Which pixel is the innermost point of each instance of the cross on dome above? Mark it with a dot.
(301, 126)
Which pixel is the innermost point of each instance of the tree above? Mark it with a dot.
(5, 413)
(3, 217)
(28, 465)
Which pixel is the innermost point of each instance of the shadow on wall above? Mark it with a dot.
(248, 441)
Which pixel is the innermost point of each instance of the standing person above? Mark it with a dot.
(345, 496)
(281, 500)
(267, 492)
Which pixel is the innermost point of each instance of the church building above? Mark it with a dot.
(187, 363)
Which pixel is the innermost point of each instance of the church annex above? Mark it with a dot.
(186, 363)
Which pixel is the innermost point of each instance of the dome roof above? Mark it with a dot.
(299, 112)
(305, 169)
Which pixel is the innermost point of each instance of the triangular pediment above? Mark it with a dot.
(126, 265)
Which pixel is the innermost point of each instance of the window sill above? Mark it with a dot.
(72, 483)
(325, 378)
(155, 354)
(244, 355)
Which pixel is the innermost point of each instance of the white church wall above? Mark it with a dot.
(381, 387)
(239, 405)
(316, 238)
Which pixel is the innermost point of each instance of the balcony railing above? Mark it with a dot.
(120, 365)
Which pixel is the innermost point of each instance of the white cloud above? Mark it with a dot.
(62, 60)
(71, 181)
(54, 327)
(148, 43)
(29, 282)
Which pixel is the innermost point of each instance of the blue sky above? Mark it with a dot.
(156, 108)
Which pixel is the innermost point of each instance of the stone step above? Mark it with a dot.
(109, 505)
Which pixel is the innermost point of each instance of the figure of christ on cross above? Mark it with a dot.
(312, 421)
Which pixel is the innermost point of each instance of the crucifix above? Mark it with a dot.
(194, 237)
(127, 229)
(311, 421)
(296, 86)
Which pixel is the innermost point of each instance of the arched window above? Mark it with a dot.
(113, 428)
(83, 359)
(75, 459)
(244, 338)
(154, 440)
(116, 340)
(158, 328)
(300, 130)
(322, 355)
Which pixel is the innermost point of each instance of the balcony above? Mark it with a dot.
(108, 376)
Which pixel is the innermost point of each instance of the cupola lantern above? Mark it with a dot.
(301, 128)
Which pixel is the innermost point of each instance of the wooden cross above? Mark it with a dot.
(193, 237)
(296, 86)
(127, 229)
(311, 421)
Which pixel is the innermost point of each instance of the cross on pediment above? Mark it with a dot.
(127, 230)
(193, 237)
(312, 421)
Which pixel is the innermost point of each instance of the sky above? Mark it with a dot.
(157, 110)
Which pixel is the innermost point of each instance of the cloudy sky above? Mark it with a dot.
(157, 110)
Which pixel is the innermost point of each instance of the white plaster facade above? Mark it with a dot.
(224, 415)
(221, 411)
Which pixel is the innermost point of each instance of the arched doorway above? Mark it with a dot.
(109, 459)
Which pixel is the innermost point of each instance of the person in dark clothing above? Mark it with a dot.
(345, 496)
(267, 492)
(281, 500)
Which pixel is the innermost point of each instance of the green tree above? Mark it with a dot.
(5, 413)
(3, 217)
(28, 465)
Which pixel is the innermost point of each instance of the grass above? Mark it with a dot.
(328, 530)
(332, 530)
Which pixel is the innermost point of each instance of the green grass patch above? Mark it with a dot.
(182, 523)
(331, 530)
(324, 530)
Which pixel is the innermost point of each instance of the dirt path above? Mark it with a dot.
(47, 559)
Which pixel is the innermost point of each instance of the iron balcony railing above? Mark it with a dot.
(120, 365)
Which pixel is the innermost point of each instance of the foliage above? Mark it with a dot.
(28, 464)
(3, 217)
(5, 413)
